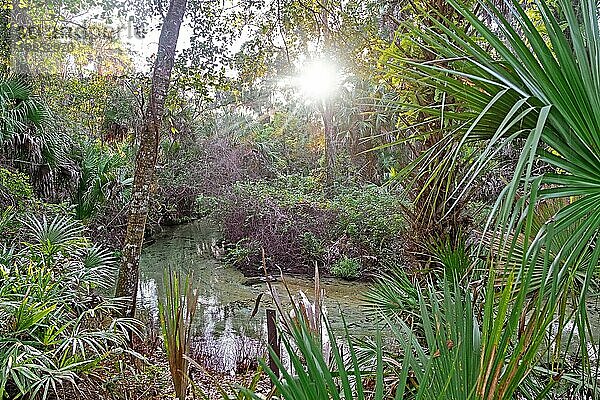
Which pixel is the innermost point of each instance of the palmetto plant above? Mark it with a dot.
(440, 336)
(18, 107)
(30, 138)
(317, 378)
(440, 360)
(444, 356)
(528, 78)
(54, 323)
(541, 88)
(100, 171)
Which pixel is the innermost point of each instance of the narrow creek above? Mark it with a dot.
(225, 337)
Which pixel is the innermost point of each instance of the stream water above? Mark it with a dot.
(226, 338)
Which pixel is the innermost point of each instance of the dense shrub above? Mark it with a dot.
(15, 189)
(346, 268)
(205, 157)
(370, 216)
(298, 224)
(195, 169)
(258, 216)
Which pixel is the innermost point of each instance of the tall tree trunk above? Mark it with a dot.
(146, 157)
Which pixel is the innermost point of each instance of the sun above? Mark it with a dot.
(318, 80)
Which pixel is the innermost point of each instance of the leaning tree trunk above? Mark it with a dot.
(145, 164)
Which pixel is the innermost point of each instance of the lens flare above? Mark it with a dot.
(318, 80)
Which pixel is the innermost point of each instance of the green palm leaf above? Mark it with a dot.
(534, 85)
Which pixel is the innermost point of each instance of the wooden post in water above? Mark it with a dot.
(273, 340)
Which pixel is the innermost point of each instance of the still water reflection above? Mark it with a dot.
(226, 338)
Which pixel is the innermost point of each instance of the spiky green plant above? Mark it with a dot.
(177, 313)
(528, 78)
(19, 108)
(392, 294)
(100, 171)
(30, 137)
(444, 356)
(314, 377)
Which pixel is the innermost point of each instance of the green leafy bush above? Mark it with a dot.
(280, 217)
(15, 188)
(205, 205)
(370, 215)
(346, 268)
(54, 323)
(240, 252)
(313, 244)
